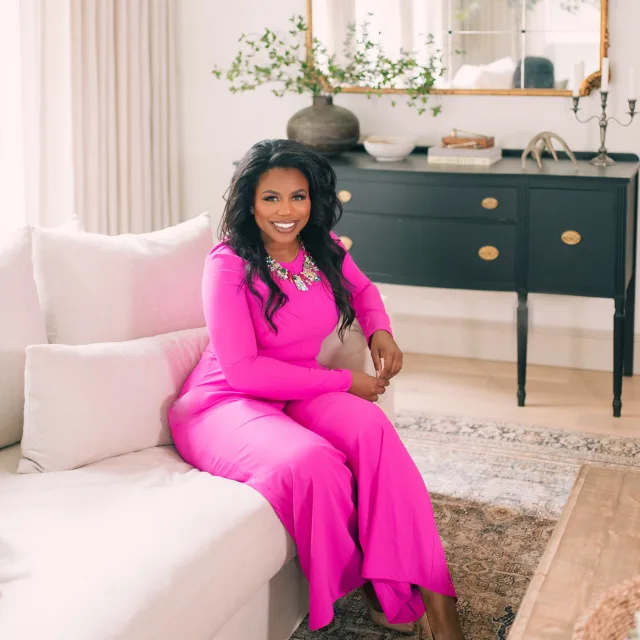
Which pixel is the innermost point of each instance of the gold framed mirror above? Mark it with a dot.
(484, 47)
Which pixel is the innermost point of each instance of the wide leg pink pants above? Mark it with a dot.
(343, 485)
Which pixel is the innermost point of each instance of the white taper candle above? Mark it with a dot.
(605, 75)
(578, 77)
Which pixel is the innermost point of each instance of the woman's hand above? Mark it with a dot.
(366, 386)
(384, 347)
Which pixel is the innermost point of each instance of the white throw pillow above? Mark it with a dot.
(21, 324)
(502, 65)
(99, 288)
(91, 402)
(466, 76)
(488, 79)
(496, 75)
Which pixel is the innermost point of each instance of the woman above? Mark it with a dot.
(259, 409)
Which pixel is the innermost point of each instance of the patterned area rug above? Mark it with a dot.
(498, 490)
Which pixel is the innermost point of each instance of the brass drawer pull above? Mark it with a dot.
(571, 237)
(347, 242)
(490, 203)
(344, 196)
(488, 252)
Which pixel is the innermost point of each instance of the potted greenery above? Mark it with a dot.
(284, 60)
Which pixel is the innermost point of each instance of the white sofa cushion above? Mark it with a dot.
(21, 324)
(86, 403)
(140, 546)
(99, 288)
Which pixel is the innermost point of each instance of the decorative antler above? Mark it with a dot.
(542, 141)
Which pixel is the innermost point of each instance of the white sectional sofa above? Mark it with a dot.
(105, 533)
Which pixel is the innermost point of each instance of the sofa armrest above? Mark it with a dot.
(354, 354)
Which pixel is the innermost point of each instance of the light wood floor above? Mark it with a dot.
(563, 398)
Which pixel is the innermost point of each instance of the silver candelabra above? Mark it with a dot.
(602, 159)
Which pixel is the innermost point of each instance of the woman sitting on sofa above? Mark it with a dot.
(259, 409)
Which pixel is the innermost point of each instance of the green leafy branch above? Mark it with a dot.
(283, 59)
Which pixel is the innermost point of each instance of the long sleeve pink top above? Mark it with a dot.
(246, 358)
(259, 409)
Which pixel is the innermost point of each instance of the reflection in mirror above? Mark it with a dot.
(484, 44)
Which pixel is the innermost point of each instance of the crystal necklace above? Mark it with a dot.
(307, 276)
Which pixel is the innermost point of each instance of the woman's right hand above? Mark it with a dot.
(366, 386)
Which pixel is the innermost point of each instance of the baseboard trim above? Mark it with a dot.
(484, 340)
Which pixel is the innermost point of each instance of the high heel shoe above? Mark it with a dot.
(378, 618)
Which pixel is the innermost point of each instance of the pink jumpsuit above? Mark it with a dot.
(259, 409)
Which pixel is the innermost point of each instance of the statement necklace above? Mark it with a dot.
(307, 276)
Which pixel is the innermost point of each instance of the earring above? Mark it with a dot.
(252, 211)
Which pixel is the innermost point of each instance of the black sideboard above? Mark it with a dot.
(559, 230)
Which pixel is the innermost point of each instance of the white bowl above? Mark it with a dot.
(389, 148)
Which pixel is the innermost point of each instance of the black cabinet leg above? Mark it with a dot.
(523, 331)
(629, 327)
(618, 355)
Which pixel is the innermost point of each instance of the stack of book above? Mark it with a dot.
(469, 148)
(449, 155)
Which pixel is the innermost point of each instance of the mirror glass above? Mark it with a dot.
(485, 45)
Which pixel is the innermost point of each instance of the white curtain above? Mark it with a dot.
(19, 113)
(124, 95)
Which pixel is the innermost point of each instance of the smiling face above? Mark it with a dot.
(282, 206)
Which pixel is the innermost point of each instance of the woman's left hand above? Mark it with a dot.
(384, 347)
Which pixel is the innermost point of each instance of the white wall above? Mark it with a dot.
(217, 127)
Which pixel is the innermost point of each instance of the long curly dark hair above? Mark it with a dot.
(239, 230)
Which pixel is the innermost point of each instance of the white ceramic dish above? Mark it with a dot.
(389, 148)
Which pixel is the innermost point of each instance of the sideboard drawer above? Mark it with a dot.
(432, 253)
(386, 248)
(429, 200)
(468, 255)
(572, 242)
